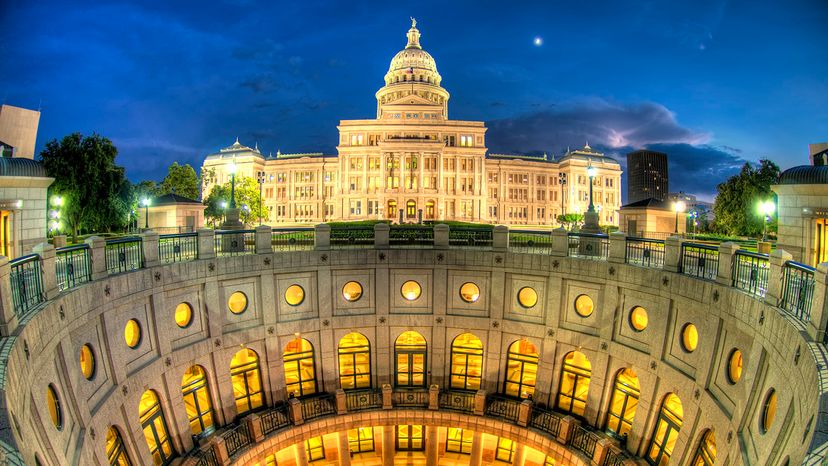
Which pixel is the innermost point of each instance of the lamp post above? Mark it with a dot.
(562, 179)
(262, 178)
(591, 172)
(678, 206)
(694, 215)
(146, 202)
(766, 208)
(232, 170)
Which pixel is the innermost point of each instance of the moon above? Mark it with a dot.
(538, 41)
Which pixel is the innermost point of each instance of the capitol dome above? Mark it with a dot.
(413, 63)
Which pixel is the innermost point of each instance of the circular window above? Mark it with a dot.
(584, 305)
(237, 302)
(769, 410)
(132, 333)
(639, 318)
(734, 366)
(411, 290)
(352, 291)
(87, 361)
(53, 403)
(469, 292)
(183, 315)
(527, 297)
(689, 337)
(294, 295)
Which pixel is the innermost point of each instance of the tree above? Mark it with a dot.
(216, 204)
(736, 204)
(181, 180)
(570, 221)
(247, 200)
(88, 180)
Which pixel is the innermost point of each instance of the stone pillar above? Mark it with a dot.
(776, 275)
(519, 455)
(524, 410)
(254, 426)
(672, 254)
(341, 402)
(220, 449)
(322, 237)
(264, 239)
(500, 238)
(97, 256)
(8, 319)
(206, 243)
(59, 241)
(434, 397)
(479, 402)
(300, 453)
(344, 449)
(441, 236)
(295, 408)
(568, 424)
(47, 269)
(387, 394)
(602, 447)
(727, 256)
(560, 242)
(476, 457)
(149, 248)
(431, 445)
(819, 305)
(617, 247)
(381, 232)
(388, 446)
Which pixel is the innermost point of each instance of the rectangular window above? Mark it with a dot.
(505, 450)
(466, 140)
(315, 448)
(361, 440)
(356, 139)
(410, 438)
(459, 440)
(356, 207)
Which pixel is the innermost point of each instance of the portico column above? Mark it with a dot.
(387, 446)
(344, 449)
(301, 454)
(518, 459)
(431, 445)
(477, 450)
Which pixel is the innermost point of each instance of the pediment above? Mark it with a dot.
(413, 100)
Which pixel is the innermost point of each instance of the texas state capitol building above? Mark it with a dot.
(413, 160)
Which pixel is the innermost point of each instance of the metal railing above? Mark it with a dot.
(274, 419)
(470, 237)
(645, 252)
(408, 236)
(502, 406)
(178, 247)
(360, 400)
(584, 440)
(588, 246)
(616, 458)
(235, 242)
(797, 290)
(456, 400)
(72, 266)
(750, 272)
(317, 406)
(352, 237)
(700, 260)
(292, 239)
(237, 438)
(26, 283)
(413, 398)
(533, 241)
(124, 254)
(545, 420)
(206, 457)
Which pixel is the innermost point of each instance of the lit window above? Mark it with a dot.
(410, 438)
(410, 290)
(410, 351)
(183, 315)
(361, 440)
(584, 305)
(521, 369)
(638, 318)
(237, 302)
(132, 333)
(300, 368)
(115, 451)
(466, 362)
(469, 292)
(294, 295)
(352, 291)
(666, 431)
(689, 337)
(575, 376)
(155, 430)
(315, 448)
(734, 366)
(706, 452)
(527, 297)
(87, 362)
(459, 440)
(505, 450)
(466, 140)
(768, 410)
(197, 403)
(53, 403)
(246, 380)
(624, 402)
(354, 362)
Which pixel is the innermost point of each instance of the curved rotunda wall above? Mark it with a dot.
(46, 352)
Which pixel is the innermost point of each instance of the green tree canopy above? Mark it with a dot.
(571, 220)
(247, 199)
(89, 181)
(181, 180)
(738, 198)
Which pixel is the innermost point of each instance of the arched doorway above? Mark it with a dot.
(575, 375)
(354, 362)
(521, 369)
(300, 368)
(410, 351)
(411, 209)
(429, 210)
(391, 211)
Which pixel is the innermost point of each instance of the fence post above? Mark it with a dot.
(8, 319)
(387, 394)
(206, 243)
(776, 276)
(568, 424)
(441, 236)
(500, 238)
(97, 256)
(617, 247)
(601, 448)
(434, 397)
(322, 237)
(524, 410)
(341, 402)
(149, 247)
(381, 233)
(48, 273)
(819, 305)
(264, 239)
(480, 402)
(560, 242)
(295, 407)
(254, 426)
(59, 241)
(672, 253)
(220, 450)
(727, 256)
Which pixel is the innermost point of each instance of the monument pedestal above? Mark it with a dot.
(232, 242)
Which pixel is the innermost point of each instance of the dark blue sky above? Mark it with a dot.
(713, 83)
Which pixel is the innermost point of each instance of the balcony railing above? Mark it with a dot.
(456, 400)
(237, 438)
(72, 266)
(588, 246)
(318, 406)
(235, 242)
(750, 272)
(292, 239)
(645, 252)
(470, 237)
(413, 398)
(584, 440)
(798, 290)
(178, 247)
(700, 260)
(27, 283)
(124, 255)
(352, 237)
(532, 241)
(360, 400)
(545, 420)
(405, 236)
(502, 406)
(275, 419)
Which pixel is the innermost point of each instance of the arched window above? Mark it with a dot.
(155, 428)
(706, 452)
(115, 451)
(624, 401)
(197, 403)
(429, 210)
(666, 431)
(410, 350)
(521, 369)
(411, 209)
(575, 375)
(392, 208)
(354, 362)
(466, 362)
(247, 381)
(300, 368)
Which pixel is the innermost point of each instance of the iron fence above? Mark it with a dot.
(502, 406)
(236, 438)
(530, 241)
(26, 283)
(410, 398)
(616, 458)
(178, 247)
(645, 252)
(123, 254)
(206, 457)
(700, 260)
(798, 290)
(588, 246)
(360, 400)
(274, 419)
(318, 406)
(411, 236)
(456, 400)
(584, 441)
(545, 420)
(292, 239)
(72, 266)
(469, 237)
(235, 242)
(750, 272)
(352, 237)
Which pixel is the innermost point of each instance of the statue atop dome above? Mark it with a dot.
(413, 22)
(413, 35)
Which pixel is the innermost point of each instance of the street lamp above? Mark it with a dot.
(678, 206)
(562, 179)
(262, 179)
(146, 202)
(232, 170)
(694, 215)
(766, 208)
(591, 172)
